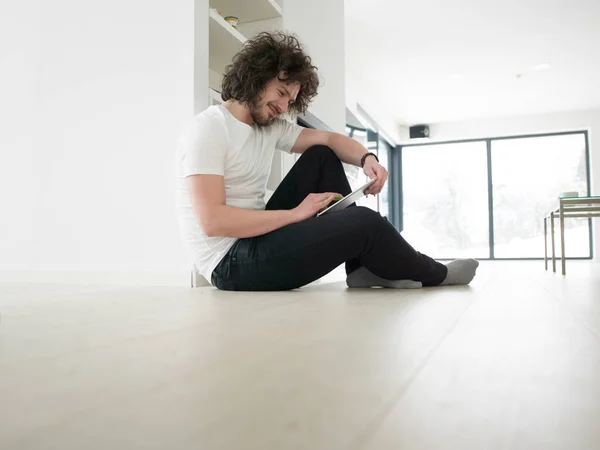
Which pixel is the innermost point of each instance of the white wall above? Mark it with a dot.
(202, 76)
(18, 43)
(521, 125)
(93, 98)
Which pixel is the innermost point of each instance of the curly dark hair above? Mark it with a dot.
(265, 57)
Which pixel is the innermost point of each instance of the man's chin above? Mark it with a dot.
(264, 121)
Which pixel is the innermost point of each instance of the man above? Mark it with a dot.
(224, 160)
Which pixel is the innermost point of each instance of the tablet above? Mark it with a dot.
(348, 199)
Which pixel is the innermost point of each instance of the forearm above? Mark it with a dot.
(229, 221)
(347, 149)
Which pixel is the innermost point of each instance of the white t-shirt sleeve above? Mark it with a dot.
(288, 134)
(204, 147)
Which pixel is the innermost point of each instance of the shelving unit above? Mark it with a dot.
(248, 11)
(224, 42)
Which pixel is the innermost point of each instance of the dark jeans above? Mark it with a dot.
(303, 252)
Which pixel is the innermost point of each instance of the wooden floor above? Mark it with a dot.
(510, 362)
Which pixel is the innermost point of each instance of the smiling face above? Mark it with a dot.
(275, 100)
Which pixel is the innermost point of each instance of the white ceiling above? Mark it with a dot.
(428, 61)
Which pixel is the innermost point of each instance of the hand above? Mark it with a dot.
(312, 204)
(373, 169)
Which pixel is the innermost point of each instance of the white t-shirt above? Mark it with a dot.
(216, 143)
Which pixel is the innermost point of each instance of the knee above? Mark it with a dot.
(319, 151)
(367, 217)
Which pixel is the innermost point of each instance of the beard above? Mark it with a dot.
(258, 115)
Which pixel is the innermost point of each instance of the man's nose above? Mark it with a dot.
(283, 107)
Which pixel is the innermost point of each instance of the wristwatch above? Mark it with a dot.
(364, 157)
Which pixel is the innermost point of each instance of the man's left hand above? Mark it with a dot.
(373, 169)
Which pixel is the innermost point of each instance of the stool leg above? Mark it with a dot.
(545, 243)
(563, 257)
(552, 239)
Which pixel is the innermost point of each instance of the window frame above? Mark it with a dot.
(397, 195)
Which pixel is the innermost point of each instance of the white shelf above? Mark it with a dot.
(248, 10)
(214, 96)
(224, 42)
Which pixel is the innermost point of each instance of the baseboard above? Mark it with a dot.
(180, 278)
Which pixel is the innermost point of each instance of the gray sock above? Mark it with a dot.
(460, 271)
(363, 278)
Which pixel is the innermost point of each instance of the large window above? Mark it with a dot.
(528, 174)
(445, 193)
(487, 198)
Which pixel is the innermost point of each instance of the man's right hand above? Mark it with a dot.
(312, 204)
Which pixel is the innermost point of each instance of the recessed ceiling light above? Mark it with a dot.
(542, 66)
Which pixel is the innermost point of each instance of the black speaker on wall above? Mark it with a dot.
(419, 131)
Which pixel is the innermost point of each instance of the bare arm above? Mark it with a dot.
(215, 218)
